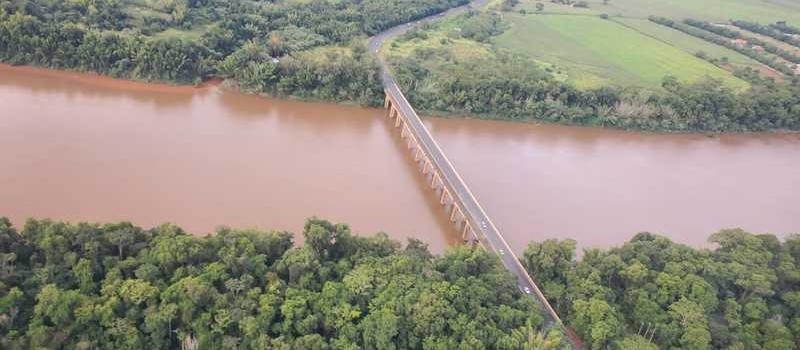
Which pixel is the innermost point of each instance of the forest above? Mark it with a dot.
(117, 286)
(651, 293)
(86, 286)
(264, 45)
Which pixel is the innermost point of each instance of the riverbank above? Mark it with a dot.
(540, 122)
(343, 70)
(118, 83)
(285, 49)
(110, 82)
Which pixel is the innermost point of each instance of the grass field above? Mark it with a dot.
(583, 66)
(684, 41)
(597, 52)
(764, 11)
(576, 45)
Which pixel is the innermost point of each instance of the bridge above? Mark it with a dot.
(471, 220)
(465, 212)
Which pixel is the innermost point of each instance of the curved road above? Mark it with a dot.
(473, 212)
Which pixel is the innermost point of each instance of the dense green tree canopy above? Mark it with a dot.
(308, 49)
(652, 293)
(118, 286)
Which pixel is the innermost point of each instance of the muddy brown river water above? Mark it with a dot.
(83, 148)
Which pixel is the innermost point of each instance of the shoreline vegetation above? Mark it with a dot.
(229, 84)
(307, 50)
(117, 285)
(315, 62)
(89, 77)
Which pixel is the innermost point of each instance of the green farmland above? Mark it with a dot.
(611, 42)
(597, 52)
(764, 11)
(684, 41)
(577, 65)
(711, 10)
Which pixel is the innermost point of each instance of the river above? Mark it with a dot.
(84, 148)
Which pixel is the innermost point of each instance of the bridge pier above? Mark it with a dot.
(435, 180)
(467, 231)
(456, 214)
(445, 198)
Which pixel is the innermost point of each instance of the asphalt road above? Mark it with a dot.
(475, 215)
